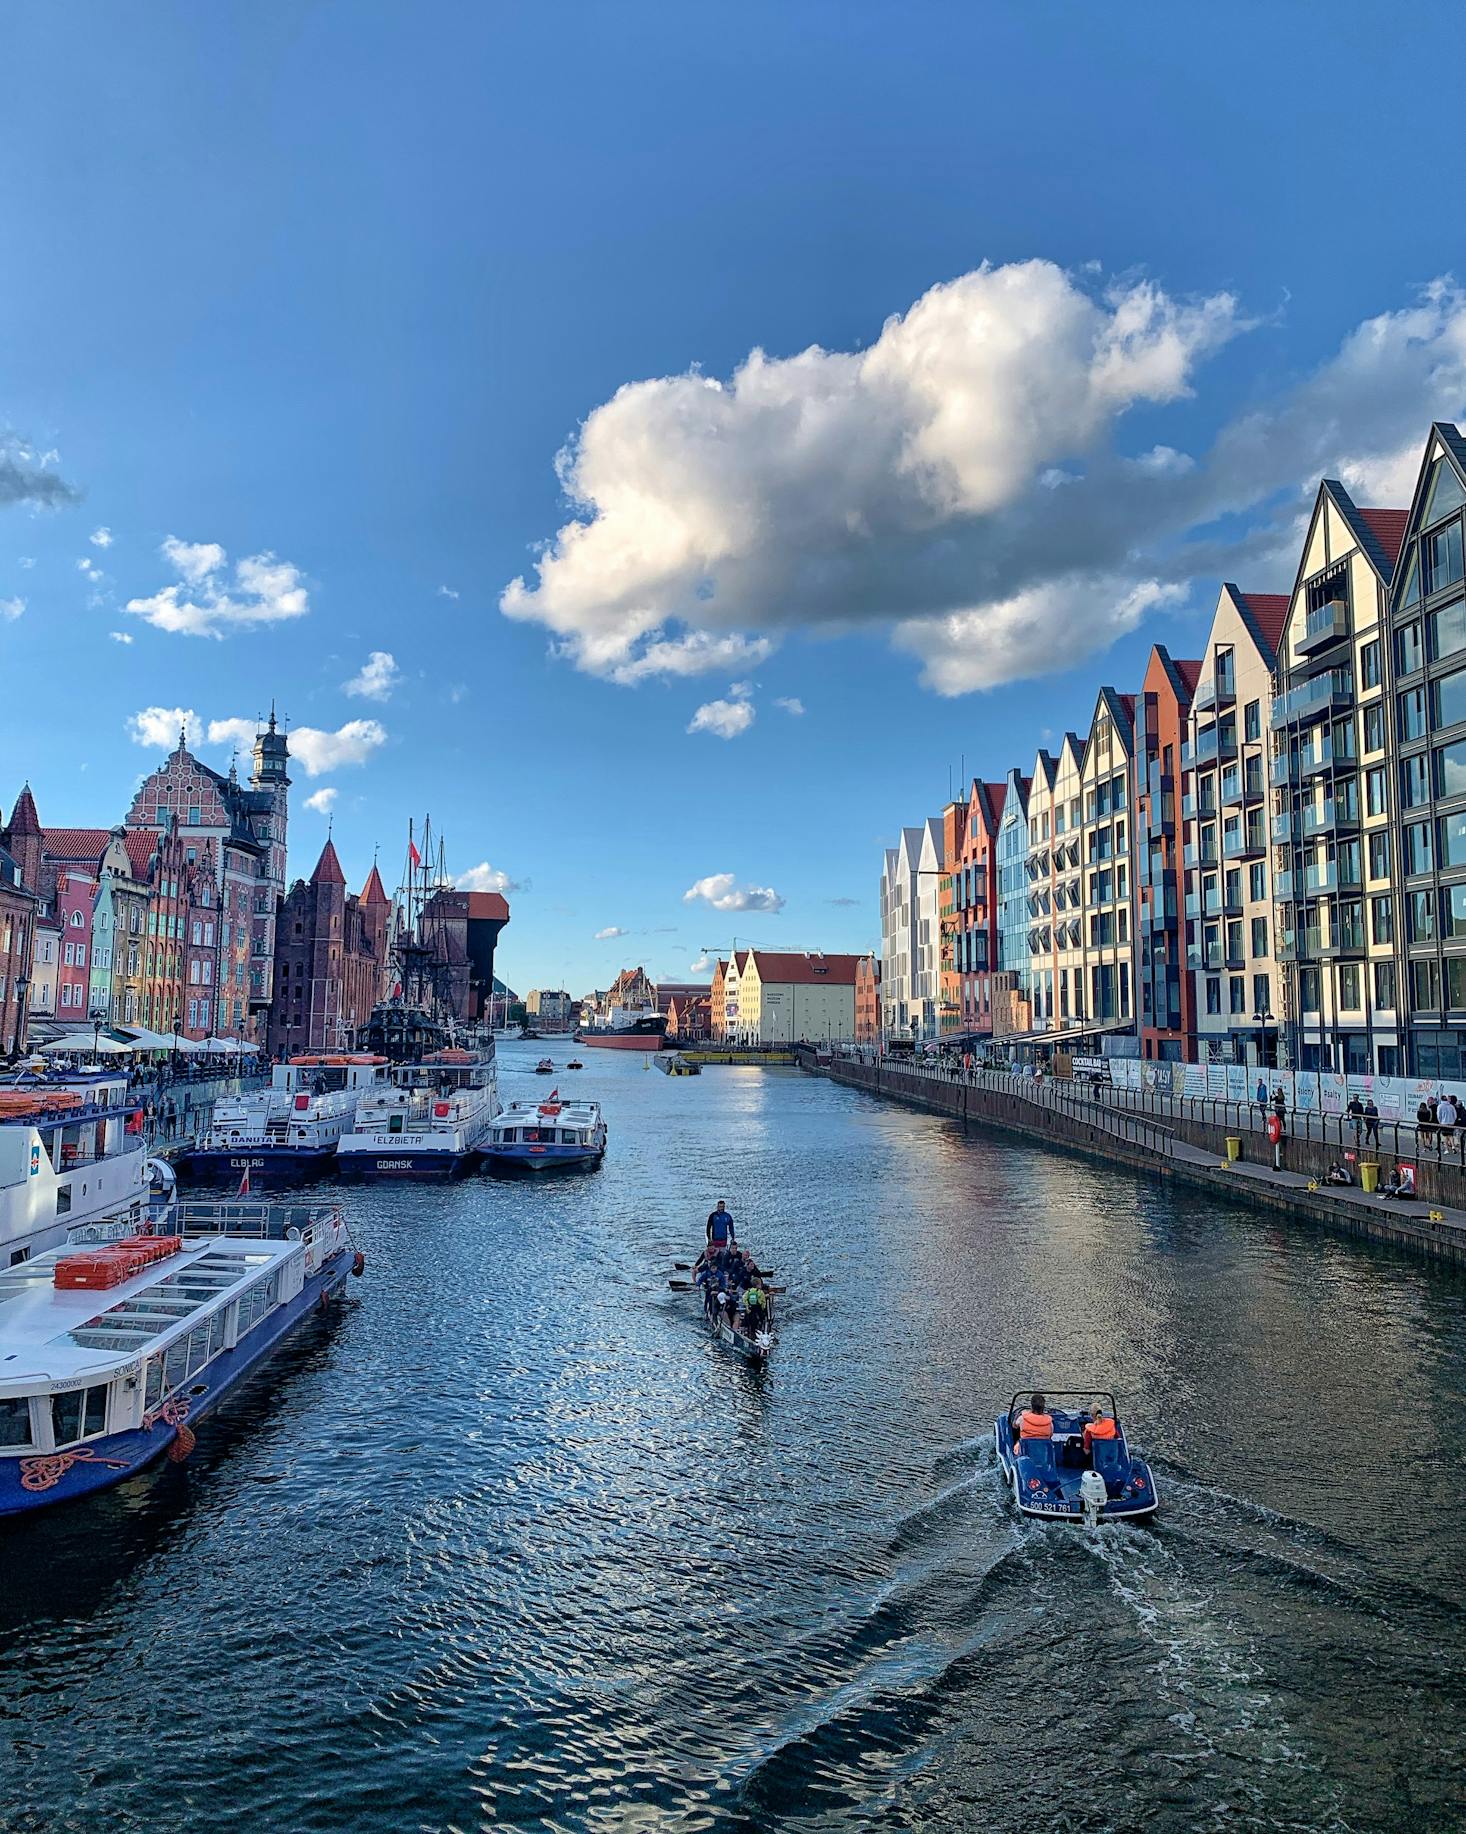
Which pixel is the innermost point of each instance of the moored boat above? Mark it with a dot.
(120, 1350)
(629, 1028)
(431, 1121)
(675, 1064)
(1070, 1473)
(290, 1131)
(72, 1151)
(542, 1135)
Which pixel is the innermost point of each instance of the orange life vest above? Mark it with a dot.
(1035, 1426)
(1103, 1428)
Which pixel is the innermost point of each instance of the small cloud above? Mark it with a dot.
(486, 878)
(376, 678)
(723, 892)
(611, 931)
(120, 636)
(320, 751)
(458, 692)
(207, 603)
(323, 801)
(89, 569)
(101, 538)
(10, 609)
(726, 718)
(792, 704)
(703, 965)
(447, 592)
(843, 903)
(27, 561)
(158, 727)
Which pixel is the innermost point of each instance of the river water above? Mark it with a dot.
(512, 1545)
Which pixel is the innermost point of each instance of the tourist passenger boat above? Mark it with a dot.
(110, 1356)
(431, 1121)
(1053, 1478)
(542, 1135)
(72, 1151)
(291, 1130)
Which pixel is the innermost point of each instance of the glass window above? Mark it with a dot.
(1443, 557)
(1453, 912)
(1374, 790)
(1236, 994)
(1411, 709)
(1425, 985)
(1374, 728)
(1382, 919)
(15, 1421)
(1213, 994)
(1408, 656)
(1422, 916)
(80, 1415)
(1414, 782)
(1369, 665)
(1451, 830)
(1450, 769)
(1308, 989)
(1259, 936)
(1448, 699)
(1417, 847)
(1384, 984)
(1252, 719)
(1447, 629)
(1411, 593)
(1349, 985)
(1256, 882)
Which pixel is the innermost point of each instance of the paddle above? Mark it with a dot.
(685, 1286)
(686, 1267)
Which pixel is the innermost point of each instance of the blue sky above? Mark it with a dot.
(334, 283)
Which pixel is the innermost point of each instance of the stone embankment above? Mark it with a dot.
(1187, 1148)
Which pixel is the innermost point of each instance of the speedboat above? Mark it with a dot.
(575, 1064)
(431, 1121)
(539, 1135)
(72, 1152)
(1057, 1480)
(118, 1350)
(544, 1067)
(291, 1130)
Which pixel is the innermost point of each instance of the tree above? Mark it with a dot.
(517, 1012)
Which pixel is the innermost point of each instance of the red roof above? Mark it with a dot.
(1190, 673)
(82, 844)
(141, 845)
(805, 970)
(488, 904)
(328, 867)
(1388, 528)
(1269, 612)
(372, 892)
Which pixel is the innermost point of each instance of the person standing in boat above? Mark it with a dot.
(721, 1233)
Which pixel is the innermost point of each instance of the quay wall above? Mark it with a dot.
(1188, 1152)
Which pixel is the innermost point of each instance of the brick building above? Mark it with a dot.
(331, 961)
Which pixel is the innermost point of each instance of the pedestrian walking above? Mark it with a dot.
(1447, 1115)
(1424, 1123)
(1371, 1122)
(1260, 1096)
(1355, 1112)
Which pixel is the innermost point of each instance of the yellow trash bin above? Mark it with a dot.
(1234, 1146)
(1369, 1174)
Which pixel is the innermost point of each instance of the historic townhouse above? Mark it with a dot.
(18, 911)
(1428, 647)
(1012, 1010)
(1038, 867)
(970, 908)
(1066, 859)
(1335, 817)
(1108, 985)
(1225, 791)
(1165, 1005)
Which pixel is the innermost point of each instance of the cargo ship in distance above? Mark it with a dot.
(627, 1029)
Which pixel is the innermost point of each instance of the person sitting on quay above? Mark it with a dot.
(1338, 1174)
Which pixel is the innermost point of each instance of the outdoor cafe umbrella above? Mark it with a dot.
(142, 1039)
(83, 1044)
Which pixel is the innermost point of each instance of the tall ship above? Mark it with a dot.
(416, 1018)
(72, 1151)
(290, 1131)
(432, 1119)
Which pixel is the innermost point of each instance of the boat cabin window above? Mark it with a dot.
(80, 1415)
(15, 1421)
(63, 1199)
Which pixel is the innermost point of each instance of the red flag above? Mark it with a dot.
(416, 856)
(243, 1190)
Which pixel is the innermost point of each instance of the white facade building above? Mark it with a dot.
(911, 932)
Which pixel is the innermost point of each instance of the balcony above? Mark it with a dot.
(1316, 757)
(1205, 697)
(1345, 940)
(1287, 947)
(1211, 746)
(1283, 829)
(1314, 700)
(1283, 772)
(1283, 887)
(1231, 790)
(1325, 625)
(1232, 904)
(1243, 844)
(1193, 906)
(1318, 879)
(1204, 955)
(1318, 819)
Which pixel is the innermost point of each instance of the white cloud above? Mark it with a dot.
(611, 930)
(703, 965)
(695, 654)
(207, 603)
(447, 592)
(726, 718)
(11, 609)
(376, 678)
(89, 569)
(970, 460)
(158, 727)
(101, 538)
(323, 801)
(318, 752)
(724, 893)
(238, 733)
(791, 703)
(27, 561)
(120, 636)
(486, 878)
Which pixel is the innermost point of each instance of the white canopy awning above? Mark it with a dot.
(82, 1044)
(145, 1040)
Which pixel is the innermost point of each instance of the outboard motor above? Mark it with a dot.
(1092, 1497)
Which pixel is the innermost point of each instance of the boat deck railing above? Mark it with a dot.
(240, 1216)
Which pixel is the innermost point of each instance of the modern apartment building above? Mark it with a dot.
(1165, 1003)
(1335, 819)
(1038, 867)
(1228, 858)
(1428, 652)
(1103, 998)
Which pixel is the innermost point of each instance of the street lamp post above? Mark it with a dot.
(177, 1028)
(22, 988)
(96, 1036)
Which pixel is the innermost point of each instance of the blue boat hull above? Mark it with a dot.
(63, 1477)
(1049, 1490)
(542, 1158)
(267, 1165)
